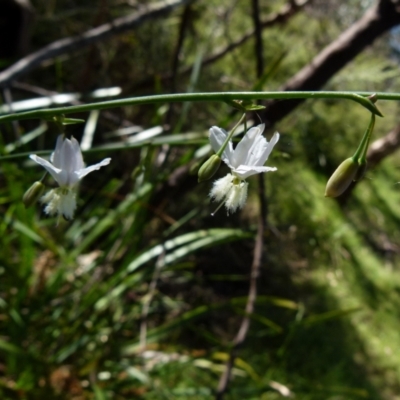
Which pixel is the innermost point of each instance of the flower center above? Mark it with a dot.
(236, 180)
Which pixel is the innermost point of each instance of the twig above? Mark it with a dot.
(102, 32)
(277, 18)
(7, 96)
(358, 97)
(178, 49)
(27, 87)
(258, 48)
(258, 248)
(382, 16)
(175, 67)
(383, 147)
(255, 271)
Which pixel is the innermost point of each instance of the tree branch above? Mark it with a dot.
(259, 243)
(99, 33)
(280, 17)
(383, 147)
(378, 19)
(251, 299)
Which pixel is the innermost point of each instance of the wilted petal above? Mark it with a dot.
(83, 172)
(217, 139)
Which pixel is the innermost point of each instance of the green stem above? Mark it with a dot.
(229, 137)
(359, 97)
(360, 154)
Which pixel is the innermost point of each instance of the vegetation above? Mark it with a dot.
(142, 294)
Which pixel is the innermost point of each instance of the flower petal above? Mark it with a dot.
(236, 198)
(78, 159)
(83, 172)
(68, 156)
(242, 152)
(67, 204)
(60, 201)
(221, 187)
(256, 151)
(55, 172)
(56, 155)
(267, 151)
(244, 171)
(217, 139)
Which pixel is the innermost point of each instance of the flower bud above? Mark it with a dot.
(341, 178)
(209, 168)
(33, 194)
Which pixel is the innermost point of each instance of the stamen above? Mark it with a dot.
(220, 205)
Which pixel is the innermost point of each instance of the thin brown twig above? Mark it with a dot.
(109, 115)
(7, 96)
(379, 18)
(175, 61)
(383, 147)
(259, 242)
(251, 299)
(280, 17)
(179, 44)
(66, 45)
(258, 43)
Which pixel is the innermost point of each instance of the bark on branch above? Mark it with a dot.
(383, 147)
(97, 34)
(382, 16)
(280, 17)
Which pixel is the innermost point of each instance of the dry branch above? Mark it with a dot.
(383, 147)
(377, 20)
(287, 11)
(97, 34)
(241, 335)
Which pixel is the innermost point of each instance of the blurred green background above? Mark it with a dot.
(142, 293)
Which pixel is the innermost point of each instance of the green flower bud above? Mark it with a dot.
(341, 178)
(33, 194)
(209, 168)
(361, 171)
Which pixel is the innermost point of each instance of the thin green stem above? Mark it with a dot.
(229, 137)
(360, 154)
(358, 97)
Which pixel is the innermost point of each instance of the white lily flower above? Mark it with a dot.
(246, 159)
(67, 168)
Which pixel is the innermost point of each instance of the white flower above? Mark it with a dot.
(246, 159)
(67, 168)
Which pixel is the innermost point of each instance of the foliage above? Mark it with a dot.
(141, 294)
